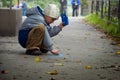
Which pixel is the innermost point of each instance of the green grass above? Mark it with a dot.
(109, 28)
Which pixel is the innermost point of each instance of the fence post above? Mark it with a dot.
(92, 6)
(108, 9)
(18, 3)
(102, 8)
(10, 4)
(119, 10)
(97, 7)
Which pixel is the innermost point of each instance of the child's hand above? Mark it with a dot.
(54, 51)
(61, 25)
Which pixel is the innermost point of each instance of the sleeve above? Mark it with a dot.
(72, 2)
(53, 31)
(78, 1)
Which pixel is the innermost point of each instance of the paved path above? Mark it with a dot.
(86, 54)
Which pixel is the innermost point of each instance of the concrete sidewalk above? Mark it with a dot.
(86, 54)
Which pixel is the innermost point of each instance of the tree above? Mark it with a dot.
(6, 3)
(43, 3)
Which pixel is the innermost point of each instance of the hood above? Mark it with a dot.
(34, 11)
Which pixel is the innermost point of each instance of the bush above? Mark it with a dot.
(108, 27)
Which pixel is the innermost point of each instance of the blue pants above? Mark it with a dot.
(22, 37)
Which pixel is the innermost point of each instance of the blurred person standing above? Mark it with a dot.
(24, 7)
(75, 7)
(63, 6)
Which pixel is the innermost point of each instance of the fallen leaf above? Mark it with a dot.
(54, 72)
(4, 72)
(118, 52)
(37, 59)
(118, 44)
(113, 43)
(88, 67)
(58, 64)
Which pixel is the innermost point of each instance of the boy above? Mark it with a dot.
(35, 33)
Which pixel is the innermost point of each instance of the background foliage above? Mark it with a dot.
(42, 3)
(30, 3)
(109, 28)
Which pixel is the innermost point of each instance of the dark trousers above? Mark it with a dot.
(75, 9)
(63, 9)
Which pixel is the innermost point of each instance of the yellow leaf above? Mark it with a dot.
(58, 64)
(54, 72)
(37, 59)
(118, 44)
(49, 72)
(88, 67)
(118, 52)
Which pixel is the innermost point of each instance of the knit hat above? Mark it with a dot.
(52, 11)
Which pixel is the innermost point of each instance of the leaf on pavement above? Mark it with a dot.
(37, 59)
(58, 64)
(54, 72)
(88, 67)
(118, 44)
(118, 52)
(4, 72)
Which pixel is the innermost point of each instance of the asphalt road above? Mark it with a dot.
(86, 54)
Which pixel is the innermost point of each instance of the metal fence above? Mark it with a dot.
(107, 9)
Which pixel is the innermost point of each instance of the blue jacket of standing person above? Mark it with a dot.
(73, 2)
